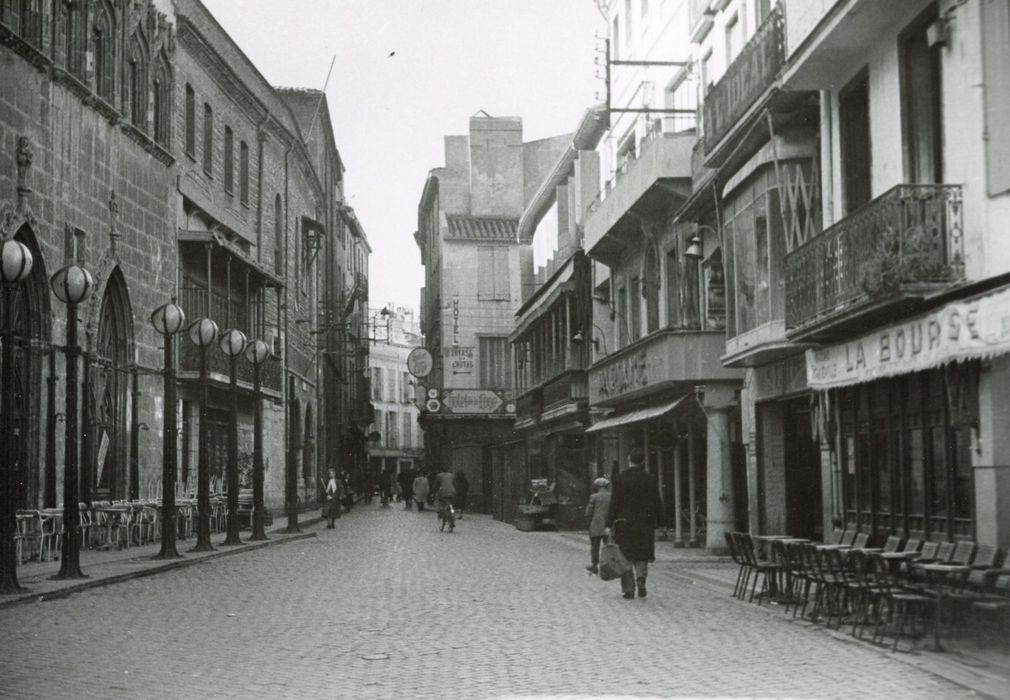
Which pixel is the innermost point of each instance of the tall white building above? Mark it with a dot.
(400, 443)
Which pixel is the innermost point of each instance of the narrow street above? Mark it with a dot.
(387, 606)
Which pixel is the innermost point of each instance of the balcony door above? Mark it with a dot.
(921, 103)
(854, 125)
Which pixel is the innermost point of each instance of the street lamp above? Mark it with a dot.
(257, 352)
(168, 320)
(232, 343)
(72, 285)
(15, 266)
(203, 333)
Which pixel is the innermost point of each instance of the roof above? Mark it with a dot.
(482, 228)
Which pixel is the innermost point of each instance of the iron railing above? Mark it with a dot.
(218, 363)
(911, 234)
(745, 79)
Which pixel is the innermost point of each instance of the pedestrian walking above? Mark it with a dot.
(405, 479)
(334, 499)
(597, 510)
(635, 512)
(421, 490)
(462, 487)
(385, 487)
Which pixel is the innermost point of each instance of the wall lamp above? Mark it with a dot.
(580, 337)
(695, 245)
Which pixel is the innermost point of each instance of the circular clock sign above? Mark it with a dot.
(419, 363)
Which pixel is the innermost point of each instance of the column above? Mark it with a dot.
(720, 479)
(678, 536)
(692, 489)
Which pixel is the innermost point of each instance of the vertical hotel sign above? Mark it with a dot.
(455, 321)
(962, 330)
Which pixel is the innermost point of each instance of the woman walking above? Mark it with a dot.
(334, 498)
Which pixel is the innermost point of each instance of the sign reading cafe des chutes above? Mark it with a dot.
(961, 330)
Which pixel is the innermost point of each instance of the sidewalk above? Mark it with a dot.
(104, 567)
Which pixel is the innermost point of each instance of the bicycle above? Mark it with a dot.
(446, 515)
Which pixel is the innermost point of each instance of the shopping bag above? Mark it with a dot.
(613, 564)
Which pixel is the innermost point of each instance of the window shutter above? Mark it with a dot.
(485, 272)
(996, 60)
(501, 273)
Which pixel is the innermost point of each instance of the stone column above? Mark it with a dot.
(719, 401)
(678, 523)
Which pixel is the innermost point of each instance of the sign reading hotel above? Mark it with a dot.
(455, 321)
(481, 401)
(959, 331)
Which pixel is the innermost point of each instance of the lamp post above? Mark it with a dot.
(72, 285)
(232, 343)
(257, 352)
(203, 333)
(15, 266)
(168, 320)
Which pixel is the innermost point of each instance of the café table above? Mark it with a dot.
(113, 518)
(943, 575)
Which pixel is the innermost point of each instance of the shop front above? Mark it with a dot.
(917, 413)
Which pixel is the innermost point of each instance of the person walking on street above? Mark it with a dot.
(421, 490)
(635, 512)
(597, 510)
(445, 495)
(406, 481)
(385, 487)
(334, 498)
(462, 489)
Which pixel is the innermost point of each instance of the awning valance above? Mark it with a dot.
(636, 416)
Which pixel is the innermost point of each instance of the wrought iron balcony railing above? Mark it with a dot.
(218, 363)
(570, 386)
(910, 235)
(746, 78)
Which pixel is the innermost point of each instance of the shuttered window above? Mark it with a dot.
(406, 437)
(996, 74)
(492, 273)
(495, 363)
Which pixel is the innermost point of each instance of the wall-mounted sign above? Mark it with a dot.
(419, 363)
(433, 405)
(624, 375)
(455, 321)
(432, 393)
(473, 401)
(461, 360)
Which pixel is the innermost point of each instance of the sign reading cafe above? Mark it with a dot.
(959, 331)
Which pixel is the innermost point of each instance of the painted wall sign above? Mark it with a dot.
(461, 360)
(455, 321)
(780, 378)
(624, 375)
(473, 401)
(961, 330)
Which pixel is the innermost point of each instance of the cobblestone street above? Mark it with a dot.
(387, 606)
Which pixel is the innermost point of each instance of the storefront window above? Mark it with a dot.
(916, 471)
(962, 472)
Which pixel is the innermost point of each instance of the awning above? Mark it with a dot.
(638, 415)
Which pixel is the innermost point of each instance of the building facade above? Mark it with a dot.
(140, 143)
(476, 276)
(399, 446)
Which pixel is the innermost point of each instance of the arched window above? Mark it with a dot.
(28, 14)
(650, 288)
(104, 45)
(278, 237)
(161, 102)
(72, 15)
(137, 73)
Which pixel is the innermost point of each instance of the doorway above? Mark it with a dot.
(802, 471)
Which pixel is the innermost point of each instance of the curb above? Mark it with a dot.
(157, 569)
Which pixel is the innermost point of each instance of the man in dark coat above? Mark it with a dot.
(635, 512)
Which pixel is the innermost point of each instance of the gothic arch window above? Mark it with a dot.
(651, 286)
(25, 17)
(105, 469)
(136, 68)
(104, 49)
(278, 236)
(72, 13)
(161, 101)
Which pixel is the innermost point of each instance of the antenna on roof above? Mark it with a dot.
(312, 124)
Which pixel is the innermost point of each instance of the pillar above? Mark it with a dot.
(678, 521)
(720, 479)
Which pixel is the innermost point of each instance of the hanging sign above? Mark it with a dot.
(961, 330)
(419, 363)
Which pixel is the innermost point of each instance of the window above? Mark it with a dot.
(380, 426)
(406, 438)
(734, 38)
(305, 270)
(161, 102)
(103, 41)
(138, 90)
(208, 139)
(73, 22)
(854, 125)
(408, 388)
(495, 363)
(996, 72)
(921, 102)
(650, 290)
(29, 21)
(243, 173)
(190, 121)
(390, 394)
(376, 383)
(391, 430)
(229, 158)
(492, 273)
(672, 289)
(636, 309)
(621, 315)
(278, 237)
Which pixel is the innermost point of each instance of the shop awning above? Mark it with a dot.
(636, 416)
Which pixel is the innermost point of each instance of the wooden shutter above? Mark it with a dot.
(485, 272)
(501, 273)
(996, 75)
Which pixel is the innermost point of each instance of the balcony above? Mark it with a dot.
(218, 365)
(664, 360)
(652, 185)
(884, 260)
(562, 395)
(746, 79)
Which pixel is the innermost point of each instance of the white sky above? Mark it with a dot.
(528, 58)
